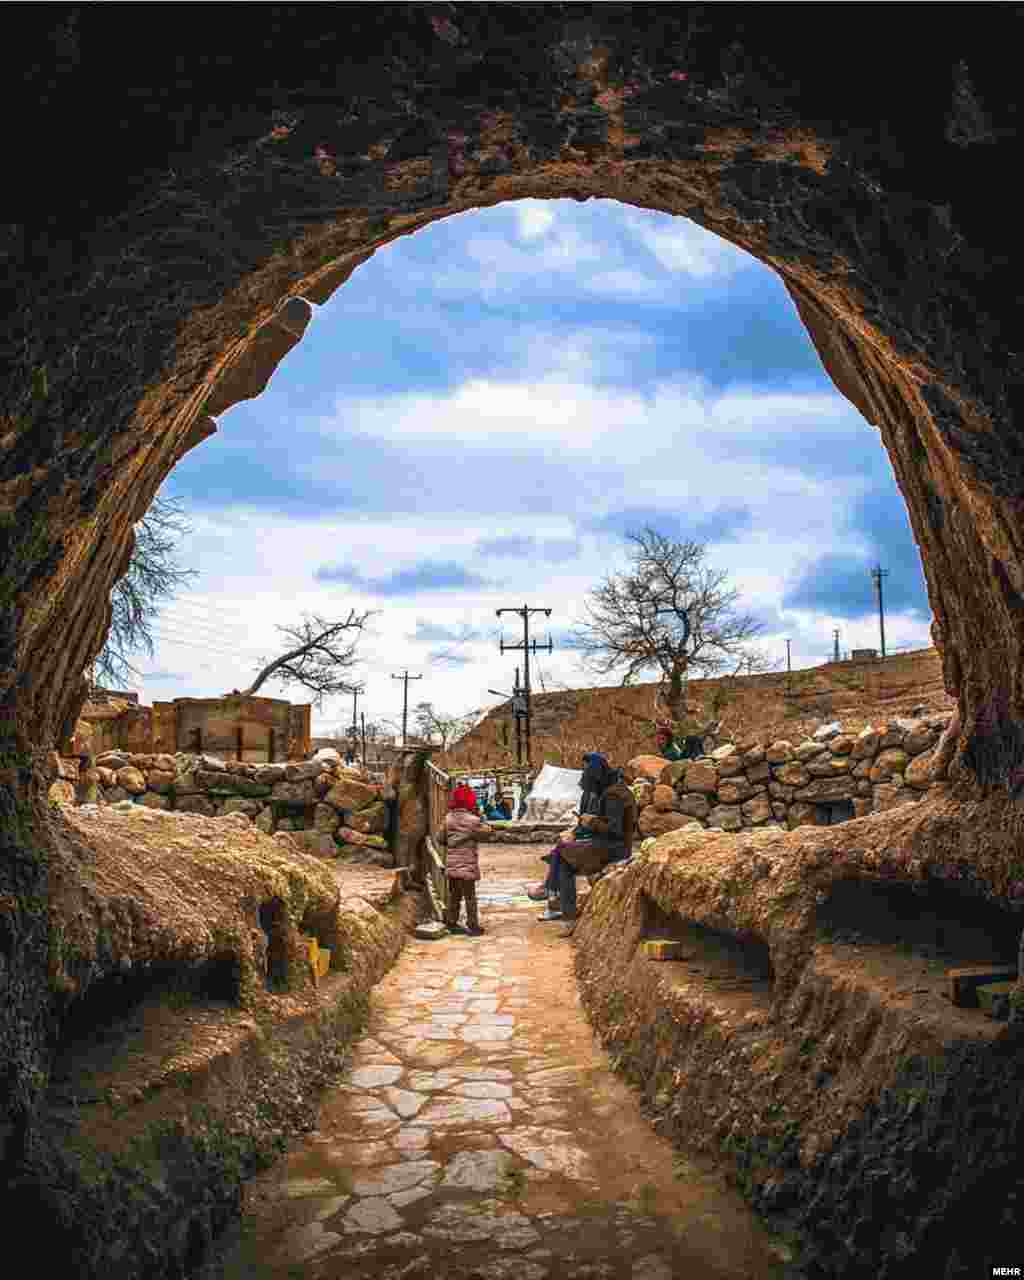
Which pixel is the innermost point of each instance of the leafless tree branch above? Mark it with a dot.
(319, 656)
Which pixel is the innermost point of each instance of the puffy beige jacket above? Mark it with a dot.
(461, 829)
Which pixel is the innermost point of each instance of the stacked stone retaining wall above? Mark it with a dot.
(331, 809)
(814, 782)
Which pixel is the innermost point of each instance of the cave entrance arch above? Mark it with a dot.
(153, 300)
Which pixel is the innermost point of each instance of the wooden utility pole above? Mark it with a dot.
(524, 613)
(363, 714)
(878, 573)
(405, 700)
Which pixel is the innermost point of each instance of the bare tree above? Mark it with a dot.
(672, 613)
(319, 656)
(431, 723)
(153, 576)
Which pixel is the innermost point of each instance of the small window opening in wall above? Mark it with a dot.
(827, 815)
(272, 922)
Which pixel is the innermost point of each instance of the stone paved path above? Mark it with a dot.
(480, 1135)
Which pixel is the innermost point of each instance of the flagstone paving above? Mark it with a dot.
(480, 1134)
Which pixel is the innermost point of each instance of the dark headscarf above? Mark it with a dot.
(597, 773)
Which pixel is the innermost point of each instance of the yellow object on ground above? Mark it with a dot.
(314, 957)
(666, 950)
(324, 957)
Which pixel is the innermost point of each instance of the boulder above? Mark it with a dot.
(863, 767)
(807, 750)
(734, 791)
(62, 792)
(827, 731)
(826, 790)
(842, 745)
(866, 744)
(643, 793)
(664, 798)
(893, 737)
(657, 822)
(645, 766)
(779, 752)
(329, 755)
(350, 794)
(268, 774)
(730, 766)
(113, 759)
(918, 772)
(800, 815)
(373, 821)
(673, 773)
(701, 777)
(303, 771)
(893, 760)
(153, 800)
(694, 806)
(780, 791)
(350, 836)
(160, 780)
(757, 810)
(107, 778)
(724, 752)
(293, 792)
(863, 787)
(264, 820)
(828, 766)
(114, 795)
(195, 804)
(779, 809)
(861, 806)
(792, 774)
(325, 818)
(213, 764)
(726, 817)
(131, 780)
(759, 772)
(753, 757)
(238, 804)
(165, 763)
(919, 739)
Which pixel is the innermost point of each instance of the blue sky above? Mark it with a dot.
(479, 416)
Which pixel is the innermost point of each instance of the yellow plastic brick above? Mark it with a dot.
(667, 950)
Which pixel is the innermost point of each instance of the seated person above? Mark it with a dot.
(589, 802)
(498, 811)
(612, 829)
(673, 748)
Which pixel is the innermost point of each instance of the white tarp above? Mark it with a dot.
(555, 796)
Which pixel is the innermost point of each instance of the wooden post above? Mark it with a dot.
(199, 740)
(238, 739)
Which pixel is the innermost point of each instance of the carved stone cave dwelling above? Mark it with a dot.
(183, 187)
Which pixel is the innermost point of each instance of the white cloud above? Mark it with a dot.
(685, 248)
(535, 217)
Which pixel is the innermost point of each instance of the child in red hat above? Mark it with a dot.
(463, 825)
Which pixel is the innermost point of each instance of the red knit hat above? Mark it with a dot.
(463, 797)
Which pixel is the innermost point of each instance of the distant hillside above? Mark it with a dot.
(620, 721)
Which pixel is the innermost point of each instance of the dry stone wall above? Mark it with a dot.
(831, 777)
(330, 809)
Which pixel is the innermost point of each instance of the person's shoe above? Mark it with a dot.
(552, 913)
(456, 928)
(540, 894)
(476, 931)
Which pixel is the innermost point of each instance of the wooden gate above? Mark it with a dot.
(438, 785)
